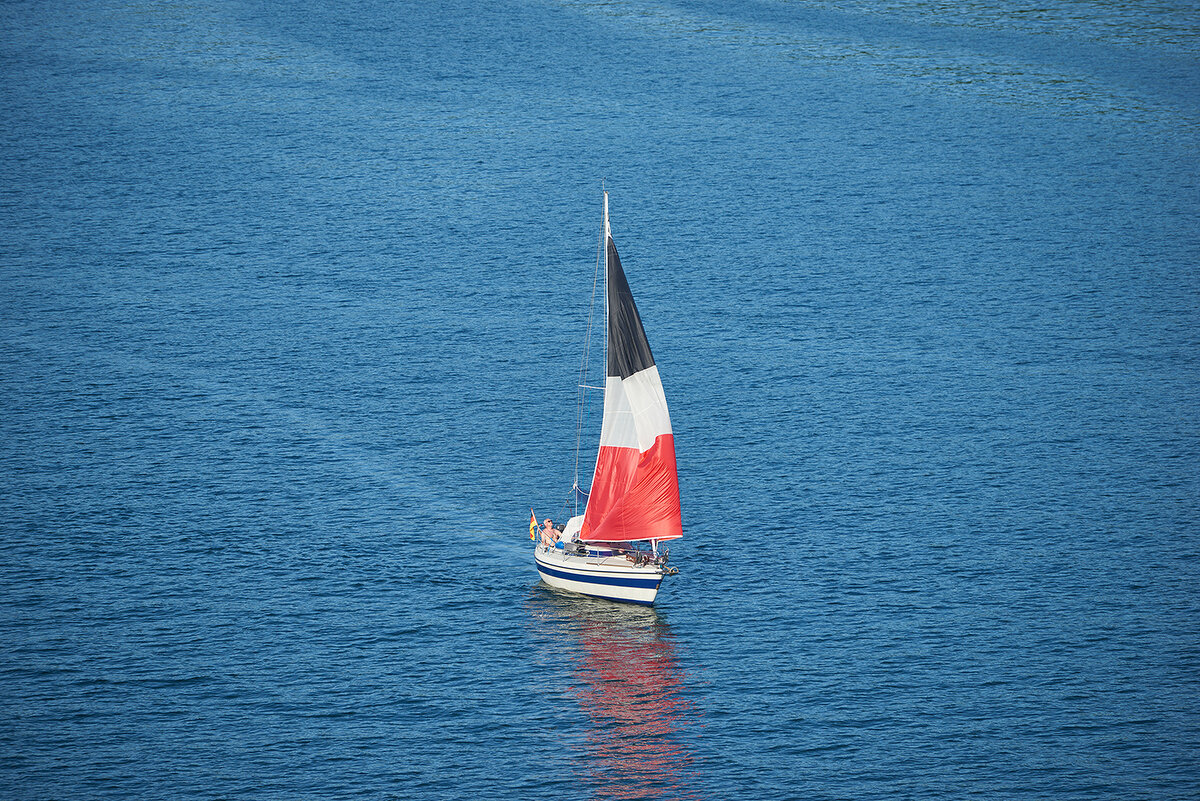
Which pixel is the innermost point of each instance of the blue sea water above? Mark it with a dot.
(292, 307)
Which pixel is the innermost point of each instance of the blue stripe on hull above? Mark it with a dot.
(621, 581)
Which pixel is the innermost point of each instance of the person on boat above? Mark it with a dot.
(549, 534)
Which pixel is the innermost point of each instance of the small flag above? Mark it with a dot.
(532, 525)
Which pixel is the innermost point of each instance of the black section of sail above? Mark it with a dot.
(628, 348)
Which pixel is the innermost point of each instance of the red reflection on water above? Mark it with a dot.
(630, 687)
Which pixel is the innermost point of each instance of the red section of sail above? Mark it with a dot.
(635, 495)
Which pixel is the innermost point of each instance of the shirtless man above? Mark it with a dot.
(549, 534)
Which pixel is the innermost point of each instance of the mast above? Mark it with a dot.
(607, 239)
(584, 366)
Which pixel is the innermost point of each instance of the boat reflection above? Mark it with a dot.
(630, 687)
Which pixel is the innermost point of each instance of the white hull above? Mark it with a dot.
(611, 577)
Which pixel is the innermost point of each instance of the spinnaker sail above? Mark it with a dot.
(635, 488)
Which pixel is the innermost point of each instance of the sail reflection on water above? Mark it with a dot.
(630, 687)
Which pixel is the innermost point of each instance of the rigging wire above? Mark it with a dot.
(581, 404)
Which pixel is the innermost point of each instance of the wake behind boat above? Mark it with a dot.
(612, 550)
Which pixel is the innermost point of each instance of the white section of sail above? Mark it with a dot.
(635, 411)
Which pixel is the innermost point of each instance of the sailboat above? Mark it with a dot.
(614, 549)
